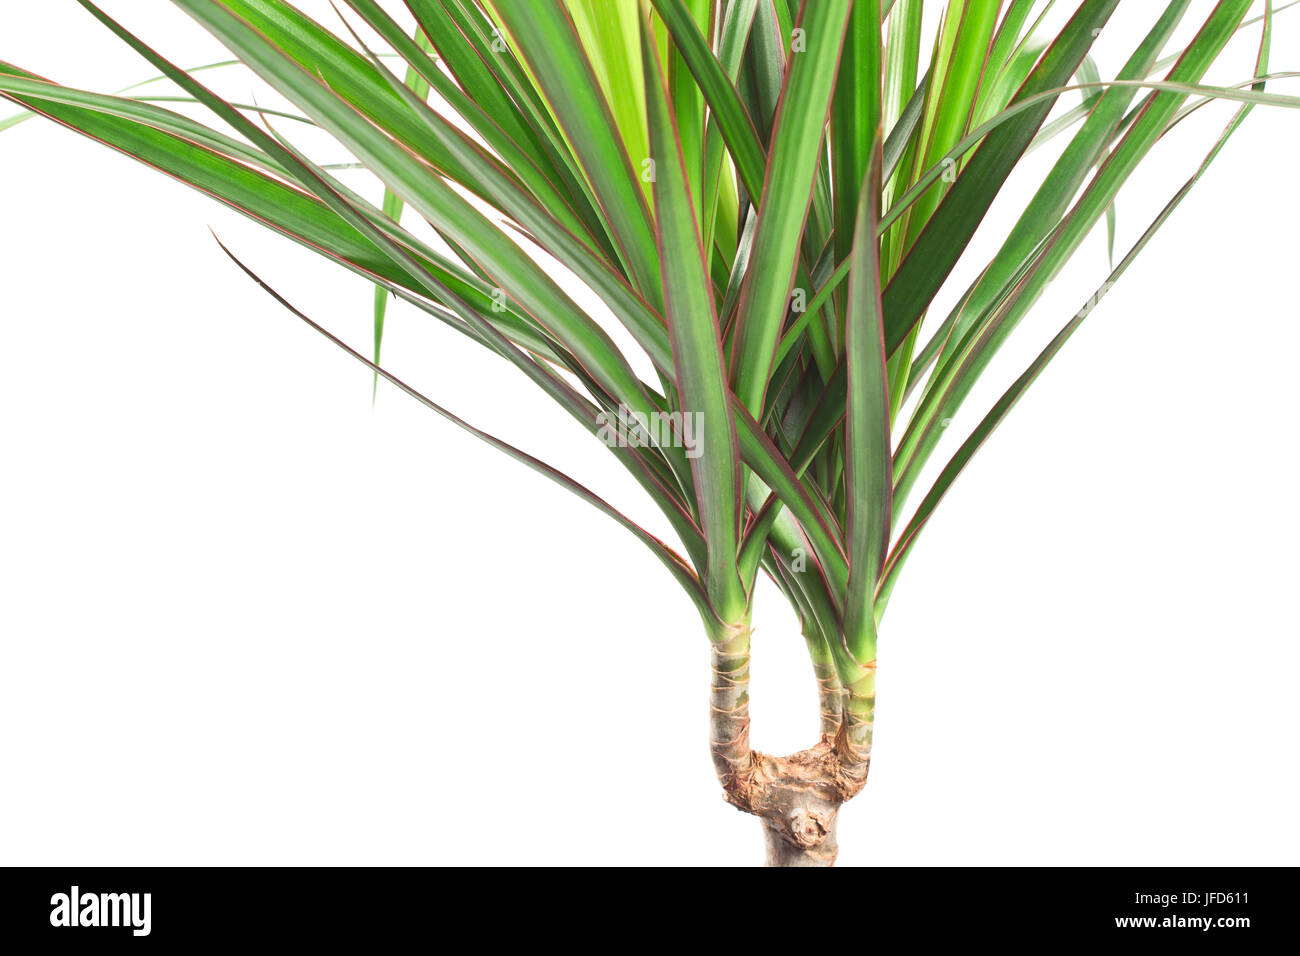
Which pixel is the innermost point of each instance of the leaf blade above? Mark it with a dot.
(696, 345)
(868, 452)
(787, 195)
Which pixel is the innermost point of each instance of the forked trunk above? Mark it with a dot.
(797, 798)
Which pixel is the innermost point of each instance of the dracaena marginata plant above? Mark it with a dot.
(767, 194)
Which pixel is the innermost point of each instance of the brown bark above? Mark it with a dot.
(783, 852)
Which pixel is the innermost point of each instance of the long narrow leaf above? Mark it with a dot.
(868, 453)
(697, 346)
(787, 194)
(964, 454)
(548, 41)
(680, 570)
(937, 249)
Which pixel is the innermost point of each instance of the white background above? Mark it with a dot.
(246, 618)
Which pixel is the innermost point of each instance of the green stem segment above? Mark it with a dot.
(830, 692)
(859, 718)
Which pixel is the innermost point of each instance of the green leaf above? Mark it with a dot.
(728, 113)
(688, 105)
(944, 238)
(855, 117)
(902, 62)
(1044, 210)
(611, 35)
(218, 166)
(548, 42)
(764, 65)
(868, 454)
(12, 121)
(489, 75)
(773, 472)
(977, 347)
(509, 265)
(697, 347)
(731, 47)
(678, 567)
(495, 86)
(291, 212)
(530, 165)
(792, 166)
(392, 208)
(957, 464)
(534, 215)
(901, 134)
(954, 83)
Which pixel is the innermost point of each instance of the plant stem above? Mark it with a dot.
(729, 708)
(830, 693)
(859, 711)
